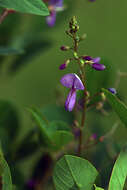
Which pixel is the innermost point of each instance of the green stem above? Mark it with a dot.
(82, 70)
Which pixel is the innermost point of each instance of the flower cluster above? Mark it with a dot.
(71, 80)
(54, 6)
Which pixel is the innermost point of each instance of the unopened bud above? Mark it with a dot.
(64, 65)
(64, 48)
(83, 37)
(82, 62)
(93, 137)
(87, 94)
(101, 139)
(76, 55)
(99, 105)
(103, 96)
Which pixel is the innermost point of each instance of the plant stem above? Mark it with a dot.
(83, 114)
(82, 70)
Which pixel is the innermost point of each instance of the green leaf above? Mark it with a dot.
(55, 134)
(9, 124)
(74, 173)
(61, 138)
(54, 112)
(36, 7)
(5, 173)
(60, 133)
(98, 188)
(119, 172)
(10, 51)
(37, 116)
(119, 107)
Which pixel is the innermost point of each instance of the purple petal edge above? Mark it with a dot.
(70, 101)
(72, 80)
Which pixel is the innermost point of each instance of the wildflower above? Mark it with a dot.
(112, 90)
(94, 62)
(73, 82)
(54, 7)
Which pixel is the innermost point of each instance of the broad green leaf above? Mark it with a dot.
(36, 7)
(5, 174)
(119, 172)
(74, 173)
(119, 107)
(10, 51)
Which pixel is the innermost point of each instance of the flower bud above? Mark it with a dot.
(112, 90)
(83, 37)
(103, 96)
(64, 48)
(99, 106)
(87, 58)
(93, 137)
(64, 65)
(98, 66)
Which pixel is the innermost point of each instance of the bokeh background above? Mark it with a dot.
(31, 78)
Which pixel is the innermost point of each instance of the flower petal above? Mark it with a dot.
(70, 101)
(96, 60)
(51, 19)
(112, 90)
(72, 80)
(56, 3)
(87, 58)
(98, 66)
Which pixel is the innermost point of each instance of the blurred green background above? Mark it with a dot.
(31, 78)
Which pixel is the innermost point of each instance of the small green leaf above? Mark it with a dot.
(43, 128)
(98, 188)
(5, 174)
(60, 133)
(36, 7)
(74, 173)
(119, 172)
(55, 134)
(119, 107)
(10, 51)
(61, 138)
(54, 112)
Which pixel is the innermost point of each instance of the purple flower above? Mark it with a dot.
(73, 82)
(98, 66)
(112, 90)
(94, 63)
(54, 7)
